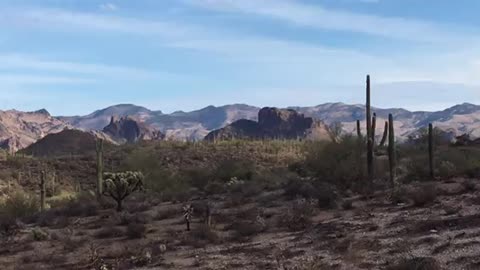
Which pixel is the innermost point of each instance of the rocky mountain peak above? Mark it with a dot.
(273, 123)
(127, 129)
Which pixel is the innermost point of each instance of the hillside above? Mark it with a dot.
(20, 129)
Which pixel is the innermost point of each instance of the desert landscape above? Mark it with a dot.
(286, 192)
(239, 135)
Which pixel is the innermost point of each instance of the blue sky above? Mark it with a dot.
(75, 56)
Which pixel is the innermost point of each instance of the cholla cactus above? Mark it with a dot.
(119, 185)
(187, 214)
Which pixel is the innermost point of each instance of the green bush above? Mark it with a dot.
(230, 168)
(337, 163)
(18, 205)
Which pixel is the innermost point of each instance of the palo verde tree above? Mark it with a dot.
(119, 185)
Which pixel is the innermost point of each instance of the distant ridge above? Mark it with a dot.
(20, 129)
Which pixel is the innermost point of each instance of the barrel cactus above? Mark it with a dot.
(119, 185)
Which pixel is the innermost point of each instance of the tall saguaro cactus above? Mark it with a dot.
(99, 148)
(391, 149)
(43, 189)
(430, 149)
(369, 134)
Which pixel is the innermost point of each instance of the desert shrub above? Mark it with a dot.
(337, 163)
(171, 212)
(298, 216)
(325, 195)
(347, 205)
(18, 205)
(109, 232)
(423, 195)
(136, 230)
(299, 168)
(125, 218)
(39, 235)
(198, 177)
(246, 189)
(8, 226)
(200, 236)
(469, 185)
(400, 195)
(246, 229)
(231, 168)
(416, 263)
(298, 187)
(214, 187)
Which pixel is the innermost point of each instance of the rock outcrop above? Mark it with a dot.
(128, 130)
(273, 123)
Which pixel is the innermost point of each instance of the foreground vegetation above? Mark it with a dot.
(312, 201)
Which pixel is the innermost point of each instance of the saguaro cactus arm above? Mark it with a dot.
(385, 135)
(359, 131)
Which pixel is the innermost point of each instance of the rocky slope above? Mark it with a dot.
(20, 129)
(273, 123)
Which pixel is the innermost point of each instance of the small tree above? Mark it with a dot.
(119, 185)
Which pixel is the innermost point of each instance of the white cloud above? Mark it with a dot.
(316, 16)
(108, 7)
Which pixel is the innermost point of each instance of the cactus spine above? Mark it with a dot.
(385, 135)
(430, 149)
(43, 189)
(391, 149)
(99, 148)
(369, 134)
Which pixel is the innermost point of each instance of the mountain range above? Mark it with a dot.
(20, 129)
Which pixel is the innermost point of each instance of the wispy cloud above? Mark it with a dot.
(108, 7)
(64, 20)
(316, 16)
(21, 61)
(29, 79)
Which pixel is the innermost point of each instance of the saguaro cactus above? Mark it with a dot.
(43, 189)
(391, 149)
(99, 148)
(430, 149)
(369, 134)
(119, 185)
(385, 135)
(359, 131)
